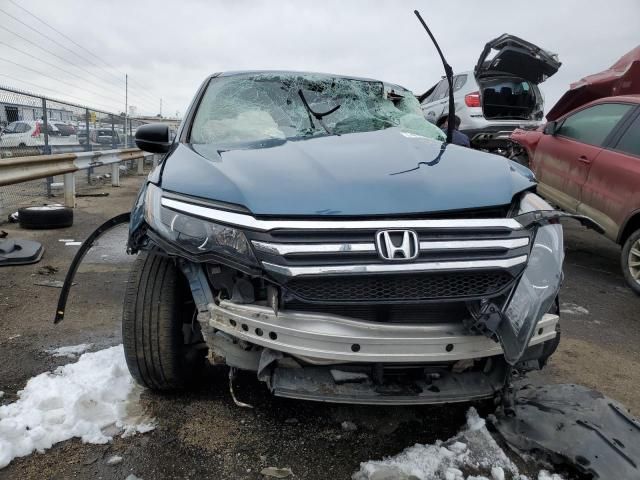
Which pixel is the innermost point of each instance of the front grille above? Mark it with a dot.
(439, 312)
(457, 259)
(390, 288)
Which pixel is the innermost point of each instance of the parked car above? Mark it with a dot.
(588, 161)
(65, 129)
(106, 136)
(82, 136)
(24, 133)
(587, 157)
(499, 95)
(315, 229)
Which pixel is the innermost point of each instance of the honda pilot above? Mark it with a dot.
(317, 230)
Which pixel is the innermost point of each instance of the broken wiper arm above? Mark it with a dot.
(317, 115)
(545, 217)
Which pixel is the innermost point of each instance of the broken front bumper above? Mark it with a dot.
(331, 338)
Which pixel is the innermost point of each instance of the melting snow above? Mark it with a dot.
(472, 450)
(71, 351)
(79, 399)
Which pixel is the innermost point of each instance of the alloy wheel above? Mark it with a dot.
(634, 261)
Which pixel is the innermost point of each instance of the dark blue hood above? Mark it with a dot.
(385, 172)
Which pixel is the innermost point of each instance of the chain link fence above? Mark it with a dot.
(35, 125)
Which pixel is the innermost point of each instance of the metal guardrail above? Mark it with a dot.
(22, 169)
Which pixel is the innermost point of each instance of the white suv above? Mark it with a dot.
(499, 95)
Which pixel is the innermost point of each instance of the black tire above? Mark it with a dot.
(47, 217)
(157, 308)
(629, 261)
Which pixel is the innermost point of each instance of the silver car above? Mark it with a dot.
(499, 95)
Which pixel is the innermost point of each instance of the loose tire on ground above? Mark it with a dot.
(630, 261)
(47, 217)
(163, 345)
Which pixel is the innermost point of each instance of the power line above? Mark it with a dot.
(61, 58)
(51, 90)
(47, 63)
(68, 38)
(55, 79)
(55, 41)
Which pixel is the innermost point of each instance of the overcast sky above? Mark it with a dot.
(168, 48)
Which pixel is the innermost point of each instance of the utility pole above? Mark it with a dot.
(126, 109)
(160, 107)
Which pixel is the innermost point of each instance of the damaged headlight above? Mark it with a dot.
(537, 288)
(193, 234)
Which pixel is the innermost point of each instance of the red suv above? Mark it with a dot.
(587, 161)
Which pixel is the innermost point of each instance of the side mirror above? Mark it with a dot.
(550, 128)
(153, 138)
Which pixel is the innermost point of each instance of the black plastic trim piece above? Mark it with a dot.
(82, 251)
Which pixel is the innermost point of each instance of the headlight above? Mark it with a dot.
(193, 234)
(537, 288)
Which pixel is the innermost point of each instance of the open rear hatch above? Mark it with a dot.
(508, 72)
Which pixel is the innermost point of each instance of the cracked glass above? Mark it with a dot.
(258, 107)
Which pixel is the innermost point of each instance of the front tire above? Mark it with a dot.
(630, 260)
(163, 345)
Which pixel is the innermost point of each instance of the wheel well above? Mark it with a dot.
(632, 225)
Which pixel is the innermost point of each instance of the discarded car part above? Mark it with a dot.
(82, 251)
(448, 71)
(622, 78)
(45, 217)
(17, 251)
(573, 424)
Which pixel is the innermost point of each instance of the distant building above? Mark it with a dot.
(31, 109)
(173, 123)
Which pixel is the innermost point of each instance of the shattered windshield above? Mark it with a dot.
(250, 108)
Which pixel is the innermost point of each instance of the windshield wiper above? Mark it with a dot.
(317, 115)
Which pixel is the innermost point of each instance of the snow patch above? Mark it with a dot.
(473, 450)
(82, 399)
(71, 351)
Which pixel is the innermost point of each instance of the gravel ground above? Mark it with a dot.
(204, 435)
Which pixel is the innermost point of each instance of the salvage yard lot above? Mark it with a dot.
(204, 435)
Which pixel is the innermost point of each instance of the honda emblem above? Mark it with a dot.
(397, 244)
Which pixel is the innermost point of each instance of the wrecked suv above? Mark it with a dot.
(318, 231)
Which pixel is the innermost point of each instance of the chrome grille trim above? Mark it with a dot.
(507, 243)
(313, 248)
(394, 267)
(289, 248)
(247, 221)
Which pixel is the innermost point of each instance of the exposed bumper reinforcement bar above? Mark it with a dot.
(342, 339)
